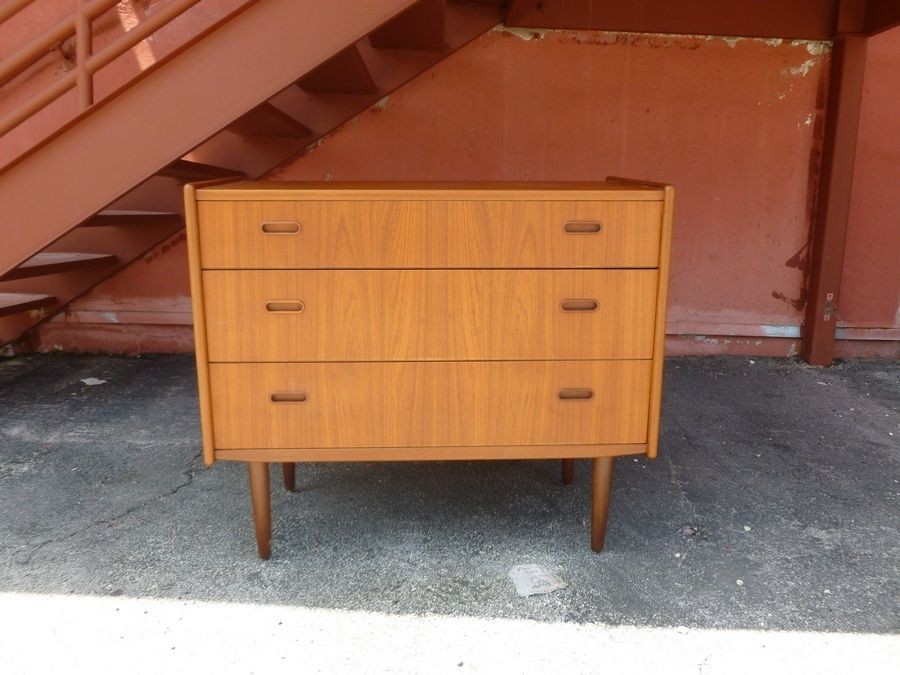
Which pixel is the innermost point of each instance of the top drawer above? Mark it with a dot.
(428, 234)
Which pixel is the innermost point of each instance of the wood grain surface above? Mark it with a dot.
(427, 234)
(430, 453)
(391, 315)
(346, 405)
(444, 191)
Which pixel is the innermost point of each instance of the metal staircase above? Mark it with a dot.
(262, 83)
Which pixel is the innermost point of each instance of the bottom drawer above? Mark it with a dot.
(426, 404)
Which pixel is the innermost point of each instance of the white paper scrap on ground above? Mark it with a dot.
(91, 381)
(533, 579)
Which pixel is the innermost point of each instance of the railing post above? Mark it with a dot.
(84, 79)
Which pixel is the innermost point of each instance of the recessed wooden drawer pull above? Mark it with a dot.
(281, 227)
(578, 305)
(289, 397)
(583, 227)
(576, 394)
(284, 306)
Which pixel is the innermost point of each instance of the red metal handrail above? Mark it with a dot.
(78, 24)
(41, 44)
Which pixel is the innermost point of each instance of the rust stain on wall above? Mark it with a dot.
(164, 247)
(380, 105)
(798, 260)
(812, 189)
(797, 303)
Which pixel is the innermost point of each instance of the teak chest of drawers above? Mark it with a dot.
(355, 322)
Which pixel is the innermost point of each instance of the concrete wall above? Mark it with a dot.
(735, 124)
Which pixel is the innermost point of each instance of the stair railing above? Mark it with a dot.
(81, 78)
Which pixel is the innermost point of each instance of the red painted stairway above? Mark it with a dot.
(260, 84)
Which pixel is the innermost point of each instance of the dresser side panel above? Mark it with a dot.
(659, 343)
(200, 340)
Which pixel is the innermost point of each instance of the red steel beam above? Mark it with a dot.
(801, 19)
(226, 71)
(881, 15)
(344, 73)
(125, 243)
(419, 27)
(848, 64)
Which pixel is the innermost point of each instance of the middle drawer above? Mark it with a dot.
(405, 315)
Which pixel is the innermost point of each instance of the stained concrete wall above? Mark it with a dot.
(734, 124)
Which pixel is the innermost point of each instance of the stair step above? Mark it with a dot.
(136, 218)
(184, 169)
(421, 27)
(51, 263)
(267, 121)
(15, 303)
(344, 73)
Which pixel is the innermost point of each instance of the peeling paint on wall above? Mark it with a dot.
(790, 331)
(380, 104)
(813, 47)
(312, 146)
(710, 340)
(802, 70)
(526, 34)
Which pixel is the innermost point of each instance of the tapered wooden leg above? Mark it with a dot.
(262, 508)
(568, 469)
(602, 471)
(288, 470)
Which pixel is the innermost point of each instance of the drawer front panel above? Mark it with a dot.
(429, 404)
(394, 315)
(428, 234)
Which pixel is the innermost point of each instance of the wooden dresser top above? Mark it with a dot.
(285, 191)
